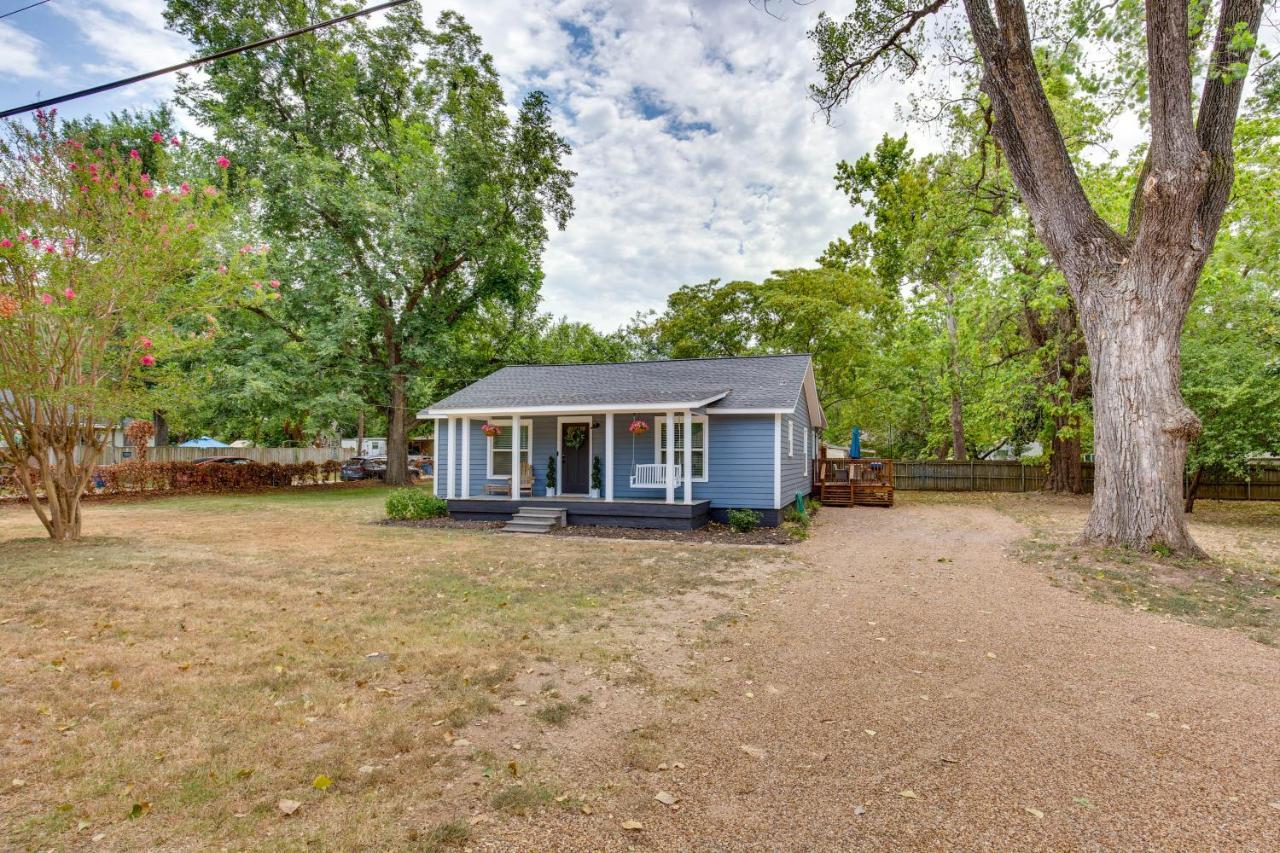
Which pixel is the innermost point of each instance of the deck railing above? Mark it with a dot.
(655, 476)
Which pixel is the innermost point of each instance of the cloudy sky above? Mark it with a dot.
(698, 154)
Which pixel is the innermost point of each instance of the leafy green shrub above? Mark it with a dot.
(744, 520)
(412, 504)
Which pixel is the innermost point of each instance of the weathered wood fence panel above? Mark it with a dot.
(112, 455)
(927, 475)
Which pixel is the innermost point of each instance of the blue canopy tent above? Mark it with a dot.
(203, 441)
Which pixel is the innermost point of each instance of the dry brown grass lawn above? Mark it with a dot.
(1238, 588)
(194, 661)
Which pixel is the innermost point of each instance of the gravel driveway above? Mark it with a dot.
(920, 689)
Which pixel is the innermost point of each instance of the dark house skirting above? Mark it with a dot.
(596, 513)
(768, 517)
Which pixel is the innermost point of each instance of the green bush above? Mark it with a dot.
(744, 520)
(412, 504)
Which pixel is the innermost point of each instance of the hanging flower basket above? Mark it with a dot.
(638, 427)
(491, 430)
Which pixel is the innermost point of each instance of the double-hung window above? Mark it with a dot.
(699, 446)
(500, 449)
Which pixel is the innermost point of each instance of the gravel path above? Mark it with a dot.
(917, 657)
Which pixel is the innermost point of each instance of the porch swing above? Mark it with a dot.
(648, 476)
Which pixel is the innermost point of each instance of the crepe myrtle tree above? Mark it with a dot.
(104, 269)
(1132, 288)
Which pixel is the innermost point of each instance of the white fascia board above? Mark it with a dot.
(586, 409)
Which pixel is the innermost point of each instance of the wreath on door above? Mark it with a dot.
(575, 437)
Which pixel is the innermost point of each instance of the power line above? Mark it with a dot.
(23, 9)
(222, 54)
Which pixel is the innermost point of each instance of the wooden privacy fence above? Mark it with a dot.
(283, 455)
(1263, 483)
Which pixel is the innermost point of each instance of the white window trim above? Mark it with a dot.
(660, 457)
(806, 454)
(488, 448)
(791, 438)
(591, 450)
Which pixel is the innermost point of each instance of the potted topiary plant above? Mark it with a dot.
(597, 482)
(551, 476)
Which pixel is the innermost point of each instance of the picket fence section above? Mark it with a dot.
(1263, 483)
(284, 455)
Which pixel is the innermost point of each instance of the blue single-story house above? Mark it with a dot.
(753, 425)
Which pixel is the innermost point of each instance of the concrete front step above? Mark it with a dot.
(535, 519)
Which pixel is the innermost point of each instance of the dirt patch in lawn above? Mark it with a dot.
(713, 532)
(1239, 587)
(196, 661)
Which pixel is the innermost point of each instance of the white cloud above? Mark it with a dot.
(19, 52)
(698, 153)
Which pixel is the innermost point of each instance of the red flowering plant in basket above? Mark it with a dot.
(491, 429)
(637, 427)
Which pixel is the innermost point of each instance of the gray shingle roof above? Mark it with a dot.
(752, 382)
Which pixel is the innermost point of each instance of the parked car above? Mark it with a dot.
(370, 468)
(222, 460)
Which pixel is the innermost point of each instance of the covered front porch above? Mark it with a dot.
(640, 458)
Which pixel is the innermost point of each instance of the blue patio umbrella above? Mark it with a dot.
(203, 441)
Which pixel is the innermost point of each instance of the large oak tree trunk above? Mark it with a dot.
(957, 428)
(1133, 327)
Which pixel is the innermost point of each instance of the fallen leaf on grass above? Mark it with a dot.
(909, 794)
(519, 703)
(288, 807)
(586, 809)
(139, 809)
(753, 751)
(859, 810)
(870, 732)
(1035, 813)
(632, 825)
(667, 799)
(321, 782)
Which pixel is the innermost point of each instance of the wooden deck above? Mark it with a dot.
(853, 482)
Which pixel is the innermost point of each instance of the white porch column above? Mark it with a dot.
(465, 427)
(453, 457)
(671, 457)
(515, 457)
(688, 457)
(436, 476)
(608, 456)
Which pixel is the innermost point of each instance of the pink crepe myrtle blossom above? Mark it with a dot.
(210, 191)
(275, 283)
(145, 343)
(148, 193)
(157, 137)
(223, 162)
(134, 155)
(46, 299)
(6, 243)
(257, 285)
(145, 177)
(49, 249)
(23, 237)
(174, 141)
(185, 189)
(69, 293)
(35, 242)
(223, 269)
(147, 360)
